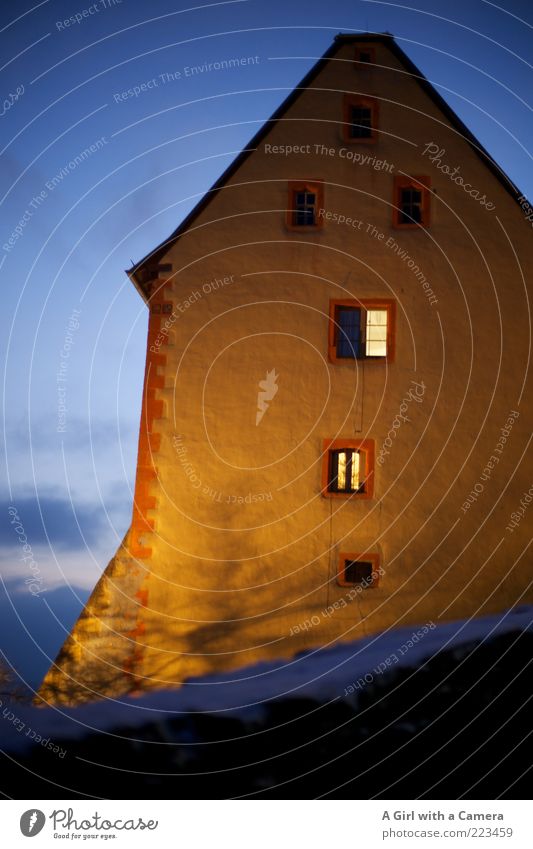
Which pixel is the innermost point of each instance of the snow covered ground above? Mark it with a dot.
(324, 675)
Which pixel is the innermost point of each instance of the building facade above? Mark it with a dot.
(337, 401)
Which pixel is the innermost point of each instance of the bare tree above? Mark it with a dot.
(9, 689)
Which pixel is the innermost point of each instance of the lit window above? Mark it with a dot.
(345, 470)
(361, 570)
(304, 201)
(361, 330)
(348, 468)
(411, 202)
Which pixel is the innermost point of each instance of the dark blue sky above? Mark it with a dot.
(154, 156)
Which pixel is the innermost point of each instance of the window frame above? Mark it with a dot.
(363, 304)
(351, 100)
(362, 445)
(295, 186)
(368, 557)
(420, 183)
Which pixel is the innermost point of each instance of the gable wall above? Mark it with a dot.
(245, 547)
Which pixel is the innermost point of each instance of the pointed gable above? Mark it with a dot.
(354, 66)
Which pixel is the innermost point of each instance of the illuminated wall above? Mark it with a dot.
(234, 550)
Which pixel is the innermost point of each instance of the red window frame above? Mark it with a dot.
(421, 184)
(367, 557)
(365, 304)
(296, 186)
(365, 446)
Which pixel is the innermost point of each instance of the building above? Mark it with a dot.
(337, 401)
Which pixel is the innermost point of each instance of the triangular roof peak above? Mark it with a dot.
(147, 268)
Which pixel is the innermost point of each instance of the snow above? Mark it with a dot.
(322, 675)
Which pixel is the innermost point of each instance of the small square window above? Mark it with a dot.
(360, 119)
(359, 570)
(365, 55)
(348, 468)
(304, 202)
(167, 308)
(156, 309)
(361, 330)
(411, 203)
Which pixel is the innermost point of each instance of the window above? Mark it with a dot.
(360, 119)
(348, 468)
(365, 55)
(304, 202)
(361, 570)
(411, 201)
(361, 330)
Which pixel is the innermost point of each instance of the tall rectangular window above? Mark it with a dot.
(361, 122)
(304, 209)
(348, 468)
(411, 202)
(360, 119)
(304, 201)
(410, 205)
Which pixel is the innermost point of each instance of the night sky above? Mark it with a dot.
(123, 81)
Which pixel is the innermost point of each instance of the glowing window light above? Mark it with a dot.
(376, 333)
(345, 471)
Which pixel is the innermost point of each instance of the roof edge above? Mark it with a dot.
(140, 271)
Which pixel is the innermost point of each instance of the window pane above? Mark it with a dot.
(346, 471)
(376, 317)
(360, 122)
(410, 206)
(304, 209)
(341, 470)
(348, 332)
(358, 571)
(376, 333)
(376, 349)
(354, 483)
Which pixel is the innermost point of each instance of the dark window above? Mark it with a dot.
(358, 572)
(167, 308)
(410, 206)
(304, 214)
(361, 122)
(365, 55)
(346, 470)
(348, 332)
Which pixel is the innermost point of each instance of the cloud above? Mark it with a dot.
(56, 521)
(33, 629)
